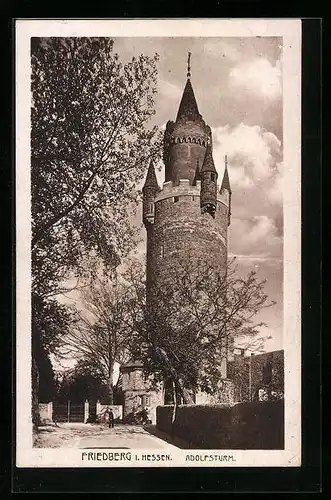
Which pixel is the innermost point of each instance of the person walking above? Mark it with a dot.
(111, 419)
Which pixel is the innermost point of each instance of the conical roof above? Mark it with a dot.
(188, 108)
(226, 180)
(151, 180)
(208, 163)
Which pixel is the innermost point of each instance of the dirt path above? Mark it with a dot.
(67, 435)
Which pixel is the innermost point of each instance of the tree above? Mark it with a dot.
(183, 332)
(90, 145)
(102, 332)
(83, 382)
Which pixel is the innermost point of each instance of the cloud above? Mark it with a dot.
(258, 77)
(257, 238)
(252, 153)
(275, 192)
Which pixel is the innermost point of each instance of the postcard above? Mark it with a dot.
(158, 230)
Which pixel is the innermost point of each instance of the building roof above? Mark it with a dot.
(151, 180)
(188, 108)
(226, 180)
(208, 162)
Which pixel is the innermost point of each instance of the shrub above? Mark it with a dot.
(253, 425)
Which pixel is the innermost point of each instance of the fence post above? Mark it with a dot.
(98, 408)
(86, 411)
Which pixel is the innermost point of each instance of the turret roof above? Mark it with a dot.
(226, 180)
(208, 162)
(151, 180)
(188, 108)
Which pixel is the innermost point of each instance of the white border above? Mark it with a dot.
(290, 30)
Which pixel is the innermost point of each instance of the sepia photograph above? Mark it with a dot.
(158, 243)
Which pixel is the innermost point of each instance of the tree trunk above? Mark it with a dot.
(111, 372)
(111, 390)
(187, 398)
(174, 411)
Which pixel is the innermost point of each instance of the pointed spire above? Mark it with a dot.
(226, 180)
(188, 108)
(208, 163)
(151, 180)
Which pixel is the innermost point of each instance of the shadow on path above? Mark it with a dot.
(175, 441)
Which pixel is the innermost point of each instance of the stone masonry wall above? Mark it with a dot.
(180, 227)
(139, 394)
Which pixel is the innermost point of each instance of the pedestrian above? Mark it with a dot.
(111, 418)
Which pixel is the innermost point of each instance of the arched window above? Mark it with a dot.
(213, 176)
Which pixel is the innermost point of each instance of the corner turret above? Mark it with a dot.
(208, 173)
(150, 189)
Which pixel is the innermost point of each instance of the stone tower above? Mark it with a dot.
(191, 213)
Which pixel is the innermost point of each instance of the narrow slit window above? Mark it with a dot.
(161, 251)
(212, 176)
(176, 198)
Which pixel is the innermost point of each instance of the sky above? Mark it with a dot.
(238, 87)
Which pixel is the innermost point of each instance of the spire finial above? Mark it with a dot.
(188, 65)
(226, 161)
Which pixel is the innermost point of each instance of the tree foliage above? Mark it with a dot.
(89, 149)
(102, 332)
(83, 382)
(90, 146)
(184, 330)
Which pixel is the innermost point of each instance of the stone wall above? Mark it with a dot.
(224, 395)
(180, 228)
(138, 400)
(46, 413)
(102, 412)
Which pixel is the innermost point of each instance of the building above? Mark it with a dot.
(191, 212)
(189, 215)
(257, 376)
(138, 393)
